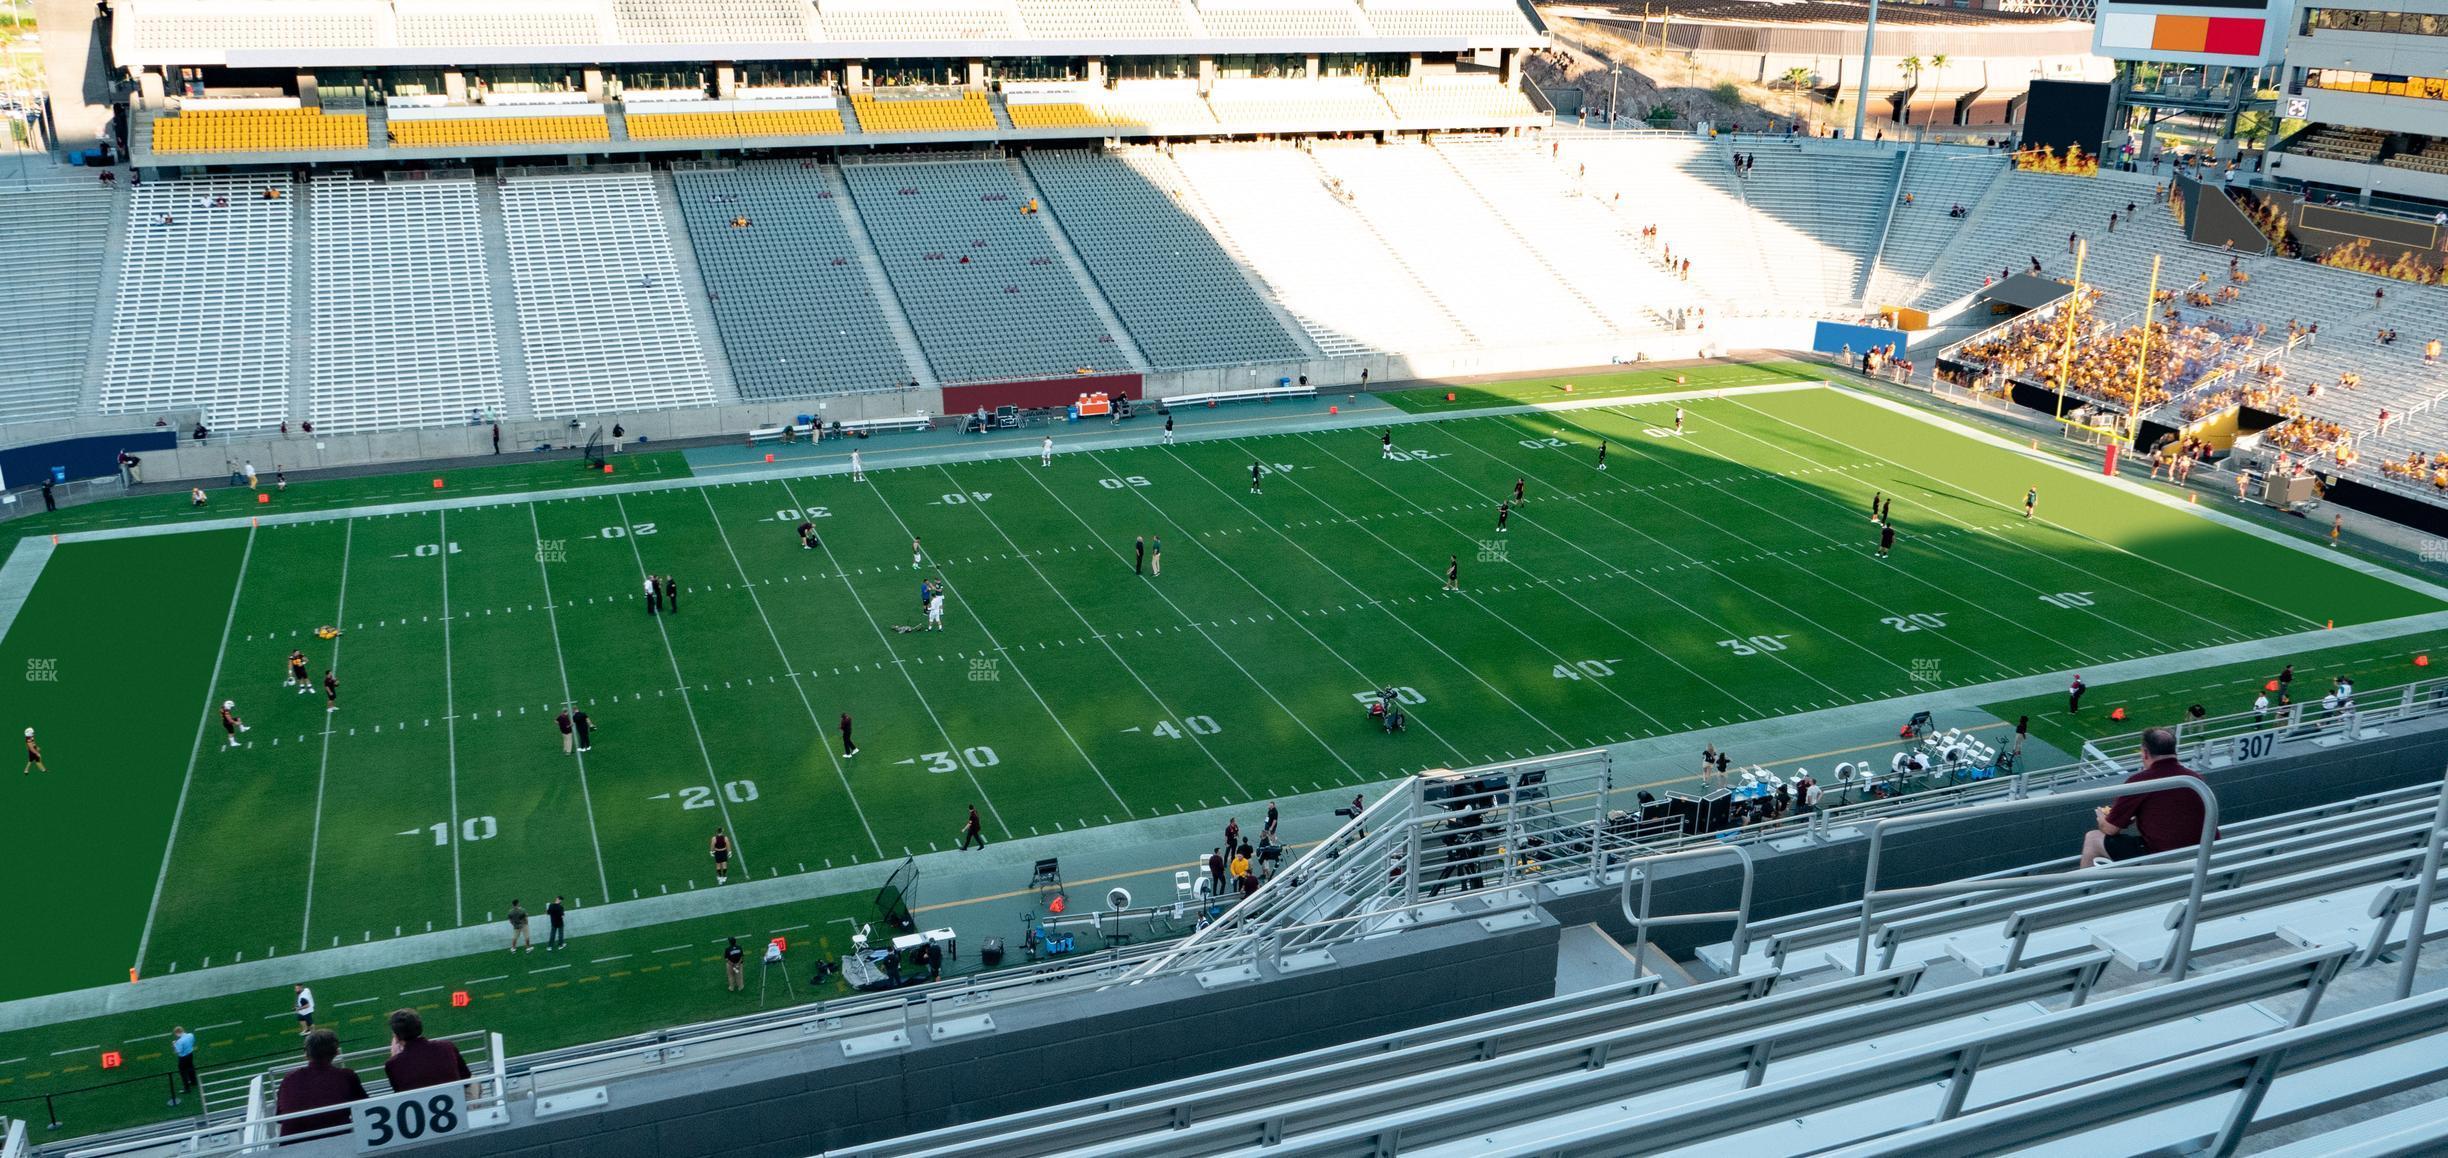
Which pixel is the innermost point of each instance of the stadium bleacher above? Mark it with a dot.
(245, 130)
(602, 312)
(791, 288)
(403, 323)
(1151, 258)
(1918, 233)
(202, 317)
(1574, 234)
(58, 240)
(977, 272)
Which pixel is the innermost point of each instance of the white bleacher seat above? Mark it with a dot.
(530, 23)
(1087, 19)
(1333, 104)
(55, 239)
(714, 21)
(1183, 298)
(1500, 288)
(1456, 100)
(204, 26)
(202, 317)
(1279, 18)
(1818, 211)
(1313, 249)
(402, 313)
(1576, 235)
(799, 314)
(1463, 18)
(1685, 188)
(603, 314)
(981, 281)
(1938, 181)
(896, 20)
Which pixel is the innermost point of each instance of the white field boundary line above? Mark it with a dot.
(1972, 494)
(450, 720)
(2015, 579)
(1289, 615)
(314, 850)
(212, 688)
(840, 464)
(1721, 488)
(1191, 623)
(784, 654)
(688, 704)
(1557, 589)
(928, 706)
(19, 575)
(1242, 503)
(326, 964)
(1102, 638)
(552, 618)
(2203, 511)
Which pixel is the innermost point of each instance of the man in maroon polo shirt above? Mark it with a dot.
(2160, 820)
(317, 1084)
(417, 1062)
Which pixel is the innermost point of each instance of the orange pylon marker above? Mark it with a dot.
(131, 975)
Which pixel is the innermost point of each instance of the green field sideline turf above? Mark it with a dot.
(1720, 575)
(1603, 384)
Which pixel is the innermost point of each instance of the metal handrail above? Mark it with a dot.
(2178, 962)
(2420, 921)
(1740, 914)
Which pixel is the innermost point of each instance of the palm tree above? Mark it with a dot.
(1938, 65)
(1912, 68)
(1797, 78)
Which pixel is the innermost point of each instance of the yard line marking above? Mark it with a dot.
(546, 968)
(414, 992)
(450, 725)
(73, 1049)
(203, 729)
(615, 956)
(923, 702)
(339, 1005)
(1116, 551)
(685, 948)
(488, 980)
(784, 653)
(1398, 620)
(1136, 678)
(314, 850)
(2118, 548)
(552, 618)
(713, 778)
(11, 1061)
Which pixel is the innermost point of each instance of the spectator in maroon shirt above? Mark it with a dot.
(417, 1062)
(2160, 820)
(317, 1084)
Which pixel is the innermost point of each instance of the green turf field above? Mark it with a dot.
(1603, 384)
(1720, 575)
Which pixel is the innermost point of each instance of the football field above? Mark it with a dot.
(1724, 573)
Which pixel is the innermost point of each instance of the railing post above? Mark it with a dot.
(1411, 841)
(2420, 921)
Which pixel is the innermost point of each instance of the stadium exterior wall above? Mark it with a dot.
(788, 1104)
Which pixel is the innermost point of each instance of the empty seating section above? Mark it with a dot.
(1084, 19)
(713, 21)
(1917, 234)
(202, 317)
(498, 25)
(1140, 105)
(2030, 215)
(1227, 18)
(1047, 114)
(2432, 157)
(1683, 188)
(1330, 271)
(1289, 105)
(445, 132)
(257, 130)
(1446, 19)
(2339, 143)
(979, 279)
(935, 112)
(798, 312)
(1456, 101)
(55, 240)
(1818, 214)
(1575, 235)
(746, 122)
(1184, 300)
(603, 315)
(895, 20)
(1457, 246)
(302, 26)
(402, 307)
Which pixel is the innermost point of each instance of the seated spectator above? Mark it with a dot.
(317, 1084)
(416, 1061)
(2160, 820)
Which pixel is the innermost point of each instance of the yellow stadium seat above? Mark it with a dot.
(499, 131)
(257, 130)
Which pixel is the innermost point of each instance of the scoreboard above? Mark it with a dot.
(2241, 33)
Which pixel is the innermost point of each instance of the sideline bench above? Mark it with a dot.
(1219, 397)
(845, 428)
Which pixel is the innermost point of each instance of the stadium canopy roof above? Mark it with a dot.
(460, 33)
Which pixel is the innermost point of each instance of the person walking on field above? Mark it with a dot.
(569, 735)
(586, 729)
(720, 849)
(654, 596)
(2031, 501)
(1139, 554)
(858, 473)
(1168, 437)
(732, 957)
(1453, 572)
(671, 595)
(231, 724)
(331, 691)
(518, 928)
(1504, 514)
(1517, 490)
(34, 761)
(1045, 451)
(917, 552)
(1156, 556)
(557, 918)
(1256, 473)
(1602, 449)
(848, 749)
(2074, 694)
(972, 831)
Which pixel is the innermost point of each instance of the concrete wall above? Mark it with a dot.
(789, 1104)
(1815, 875)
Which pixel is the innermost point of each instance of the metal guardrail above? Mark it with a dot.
(2217, 741)
(2419, 922)
(1641, 920)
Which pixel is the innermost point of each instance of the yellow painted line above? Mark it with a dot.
(493, 996)
(555, 984)
(650, 969)
(528, 989)
(620, 973)
(6, 1081)
(148, 1056)
(38, 1077)
(74, 1069)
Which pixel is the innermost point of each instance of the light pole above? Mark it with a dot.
(1861, 97)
